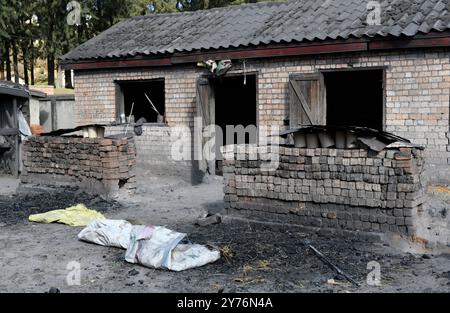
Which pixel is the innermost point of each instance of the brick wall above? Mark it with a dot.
(341, 189)
(154, 151)
(96, 165)
(95, 93)
(417, 92)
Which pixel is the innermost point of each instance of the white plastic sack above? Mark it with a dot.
(158, 247)
(24, 128)
(110, 233)
(193, 255)
(151, 246)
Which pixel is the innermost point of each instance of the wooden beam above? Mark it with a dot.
(271, 52)
(104, 64)
(411, 43)
(278, 50)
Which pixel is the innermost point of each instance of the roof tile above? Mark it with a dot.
(262, 23)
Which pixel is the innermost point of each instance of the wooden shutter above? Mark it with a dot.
(306, 100)
(205, 110)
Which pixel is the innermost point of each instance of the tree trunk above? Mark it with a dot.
(32, 71)
(51, 69)
(2, 70)
(25, 68)
(15, 62)
(68, 79)
(8, 62)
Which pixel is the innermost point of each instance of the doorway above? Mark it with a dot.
(235, 111)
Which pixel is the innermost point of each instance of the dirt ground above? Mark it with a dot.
(259, 258)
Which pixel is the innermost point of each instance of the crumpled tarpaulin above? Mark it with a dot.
(151, 246)
(77, 215)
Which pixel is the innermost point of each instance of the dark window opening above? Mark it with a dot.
(235, 104)
(135, 98)
(355, 98)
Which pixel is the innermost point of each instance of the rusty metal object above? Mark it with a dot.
(332, 266)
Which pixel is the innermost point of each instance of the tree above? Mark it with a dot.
(28, 33)
(31, 29)
(52, 24)
(8, 35)
(143, 7)
(17, 35)
(193, 5)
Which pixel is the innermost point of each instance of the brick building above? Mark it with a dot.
(385, 66)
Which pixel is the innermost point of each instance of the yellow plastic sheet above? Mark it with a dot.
(77, 215)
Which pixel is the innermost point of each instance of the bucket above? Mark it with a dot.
(340, 139)
(85, 132)
(312, 142)
(300, 140)
(100, 132)
(92, 132)
(326, 141)
(350, 140)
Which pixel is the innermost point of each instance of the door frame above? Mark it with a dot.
(212, 100)
(383, 68)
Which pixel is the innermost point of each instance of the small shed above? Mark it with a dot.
(14, 98)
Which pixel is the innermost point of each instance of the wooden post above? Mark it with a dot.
(54, 114)
(16, 160)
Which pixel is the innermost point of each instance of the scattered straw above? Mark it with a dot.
(439, 189)
(227, 252)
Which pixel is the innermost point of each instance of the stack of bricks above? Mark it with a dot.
(328, 188)
(101, 165)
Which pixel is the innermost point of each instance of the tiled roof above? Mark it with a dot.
(263, 23)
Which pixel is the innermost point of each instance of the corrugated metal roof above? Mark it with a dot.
(263, 23)
(13, 89)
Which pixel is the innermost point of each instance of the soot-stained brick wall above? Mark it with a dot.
(96, 165)
(328, 188)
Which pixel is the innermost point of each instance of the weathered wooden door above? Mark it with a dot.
(9, 133)
(307, 105)
(205, 113)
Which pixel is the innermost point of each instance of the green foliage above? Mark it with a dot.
(39, 28)
(141, 7)
(192, 5)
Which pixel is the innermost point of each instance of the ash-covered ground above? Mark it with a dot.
(256, 257)
(15, 208)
